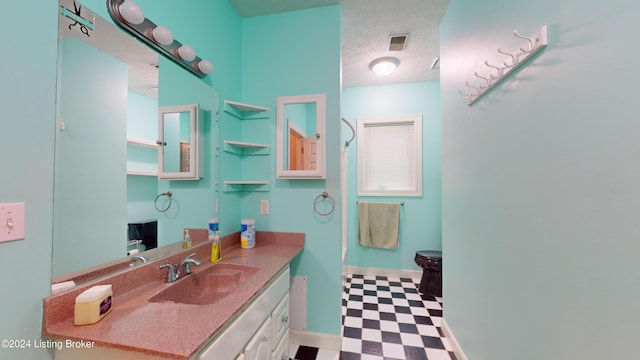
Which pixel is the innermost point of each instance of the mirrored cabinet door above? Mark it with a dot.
(179, 142)
(300, 137)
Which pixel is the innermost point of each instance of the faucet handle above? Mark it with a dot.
(171, 274)
(186, 262)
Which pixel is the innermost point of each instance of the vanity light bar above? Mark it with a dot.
(130, 18)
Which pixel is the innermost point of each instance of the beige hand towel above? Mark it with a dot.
(378, 224)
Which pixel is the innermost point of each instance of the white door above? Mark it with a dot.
(309, 152)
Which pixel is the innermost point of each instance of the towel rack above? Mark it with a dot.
(325, 195)
(401, 202)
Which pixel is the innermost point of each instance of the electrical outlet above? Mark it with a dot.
(264, 207)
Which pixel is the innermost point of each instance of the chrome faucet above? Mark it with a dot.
(136, 258)
(186, 262)
(173, 273)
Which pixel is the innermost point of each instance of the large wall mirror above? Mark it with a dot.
(300, 137)
(110, 88)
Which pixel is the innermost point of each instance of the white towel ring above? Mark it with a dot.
(155, 203)
(324, 195)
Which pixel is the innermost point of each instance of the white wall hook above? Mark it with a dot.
(536, 43)
(498, 69)
(531, 41)
(513, 58)
(486, 79)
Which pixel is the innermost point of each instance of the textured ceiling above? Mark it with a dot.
(366, 26)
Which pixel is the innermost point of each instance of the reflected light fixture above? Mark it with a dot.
(129, 16)
(384, 66)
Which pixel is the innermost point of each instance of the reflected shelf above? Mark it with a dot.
(142, 173)
(141, 142)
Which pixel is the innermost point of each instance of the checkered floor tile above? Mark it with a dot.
(387, 318)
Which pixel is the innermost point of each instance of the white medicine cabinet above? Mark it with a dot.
(180, 142)
(300, 137)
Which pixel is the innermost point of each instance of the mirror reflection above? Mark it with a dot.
(106, 156)
(301, 140)
(300, 136)
(176, 135)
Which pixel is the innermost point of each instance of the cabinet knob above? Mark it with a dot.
(285, 319)
(161, 143)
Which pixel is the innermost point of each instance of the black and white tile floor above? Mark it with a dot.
(385, 318)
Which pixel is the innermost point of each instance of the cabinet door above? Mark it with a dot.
(179, 142)
(281, 352)
(280, 320)
(259, 348)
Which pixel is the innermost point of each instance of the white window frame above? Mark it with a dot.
(364, 182)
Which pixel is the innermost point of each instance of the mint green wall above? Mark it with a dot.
(420, 217)
(286, 54)
(142, 123)
(198, 197)
(214, 30)
(27, 139)
(142, 116)
(90, 181)
(540, 183)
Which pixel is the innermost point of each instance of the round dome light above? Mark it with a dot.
(186, 53)
(162, 35)
(384, 66)
(131, 12)
(205, 66)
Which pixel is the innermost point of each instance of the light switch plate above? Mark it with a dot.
(264, 207)
(11, 222)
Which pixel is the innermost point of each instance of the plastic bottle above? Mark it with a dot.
(248, 233)
(186, 243)
(216, 248)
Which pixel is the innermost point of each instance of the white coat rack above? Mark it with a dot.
(496, 73)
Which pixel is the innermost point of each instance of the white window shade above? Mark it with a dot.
(390, 156)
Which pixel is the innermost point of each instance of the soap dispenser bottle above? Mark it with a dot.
(186, 243)
(216, 248)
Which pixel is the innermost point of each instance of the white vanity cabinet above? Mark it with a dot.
(260, 332)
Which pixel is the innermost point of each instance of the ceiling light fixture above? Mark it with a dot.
(384, 66)
(129, 16)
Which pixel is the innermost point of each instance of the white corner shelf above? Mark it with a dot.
(142, 173)
(245, 148)
(246, 111)
(141, 142)
(243, 185)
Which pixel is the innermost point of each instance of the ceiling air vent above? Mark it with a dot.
(398, 42)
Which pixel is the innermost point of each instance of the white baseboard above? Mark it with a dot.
(457, 350)
(414, 274)
(319, 340)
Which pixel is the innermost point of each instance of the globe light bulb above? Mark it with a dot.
(162, 35)
(205, 66)
(131, 12)
(186, 53)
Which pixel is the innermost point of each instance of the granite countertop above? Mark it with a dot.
(170, 330)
